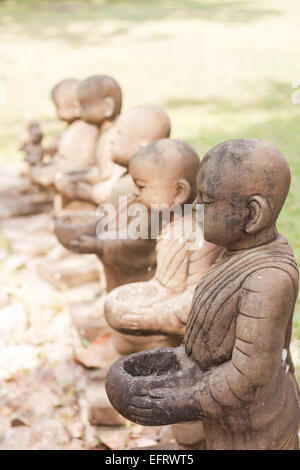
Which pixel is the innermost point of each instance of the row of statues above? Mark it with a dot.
(200, 315)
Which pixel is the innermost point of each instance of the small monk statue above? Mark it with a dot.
(135, 128)
(127, 260)
(33, 145)
(19, 195)
(163, 171)
(89, 107)
(234, 371)
(100, 101)
(64, 97)
(20, 183)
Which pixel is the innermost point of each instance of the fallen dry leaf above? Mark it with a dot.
(100, 353)
(115, 440)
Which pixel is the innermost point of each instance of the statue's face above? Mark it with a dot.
(225, 210)
(68, 106)
(126, 139)
(151, 187)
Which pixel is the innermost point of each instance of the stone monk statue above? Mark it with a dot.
(154, 313)
(234, 371)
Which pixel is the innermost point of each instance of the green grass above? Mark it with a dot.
(222, 69)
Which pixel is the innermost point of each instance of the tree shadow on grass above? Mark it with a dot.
(46, 19)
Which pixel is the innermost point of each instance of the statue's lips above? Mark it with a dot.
(71, 227)
(136, 374)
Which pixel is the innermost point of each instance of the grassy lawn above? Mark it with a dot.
(222, 69)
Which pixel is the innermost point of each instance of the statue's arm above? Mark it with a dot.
(264, 310)
(114, 251)
(170, 316)
(265, 307)
(133, 254)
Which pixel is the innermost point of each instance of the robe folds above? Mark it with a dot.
(239, 332)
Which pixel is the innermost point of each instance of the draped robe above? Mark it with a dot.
(239, 332)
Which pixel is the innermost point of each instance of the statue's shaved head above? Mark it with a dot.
(245, 167)
(97, 88)
(171, 158)
(165, 173)
(63, 88)
(148, 121)
(243, 184)
(135, 128)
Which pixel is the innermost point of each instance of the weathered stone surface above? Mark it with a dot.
(235, 365)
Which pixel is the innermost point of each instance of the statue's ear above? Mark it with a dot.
(183, 191)
(259, 214)
(109, 106)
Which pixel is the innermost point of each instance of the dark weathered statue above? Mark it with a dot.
(234, 372)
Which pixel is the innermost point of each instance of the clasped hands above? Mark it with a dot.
(77, 190)
(172, 399)
(87, 244)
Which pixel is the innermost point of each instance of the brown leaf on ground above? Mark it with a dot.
(116, 440)
(100, 353)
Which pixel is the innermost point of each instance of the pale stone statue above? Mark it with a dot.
(234, 371)
(163, 171)
(100, 101)
(127, 260)
(32, 147)
(134, 128)
(64, 96)
(89, 107)
(19, 195)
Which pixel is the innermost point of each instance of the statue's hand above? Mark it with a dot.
(86, 244)
(137, 321)
(84, 190)
(162, 406)
(68, 189)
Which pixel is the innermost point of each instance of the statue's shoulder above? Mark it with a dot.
(276, 268)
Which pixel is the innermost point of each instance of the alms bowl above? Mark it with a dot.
(71, 226)
(136, 374)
